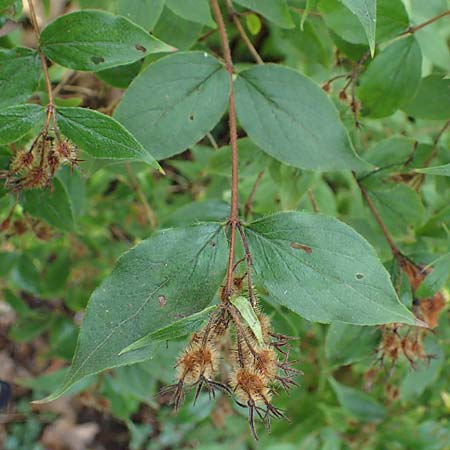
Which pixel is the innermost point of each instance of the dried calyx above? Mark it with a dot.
(35, 167)
(256, 368)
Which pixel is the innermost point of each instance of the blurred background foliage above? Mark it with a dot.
(49, 266)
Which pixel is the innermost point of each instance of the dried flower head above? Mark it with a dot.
(257, 365)
(36, 167)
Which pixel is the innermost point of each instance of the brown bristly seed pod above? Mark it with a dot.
(257, 366)
(36, 167)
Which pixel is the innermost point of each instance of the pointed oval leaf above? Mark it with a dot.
(366, 12)
(292, 119)
(436, 279)
(52, 206)
(101, 136)
(192, 10)
(323, 270)
(358, 404)
(277, 11)
(17, 121)
(174, 102)
(443, 170)
(20, 70)
(178, 329)
(247, 312)
(96, 40)
(171, 275)
(432, 100)
(392, 78)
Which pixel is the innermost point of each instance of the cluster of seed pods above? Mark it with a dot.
(256, 365)
(35, 167)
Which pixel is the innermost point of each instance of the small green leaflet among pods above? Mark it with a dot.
(247, 312)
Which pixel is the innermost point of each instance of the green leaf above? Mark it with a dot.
(192, 10)
(96, 40)
(175, 102)
(360, 405)
(53, 206)
(173, 274)
(310, 5)
(291, 118)
(6, 3)
(20, 70)
(177, 329)
(277, 11)
(253, 23)
(177, 31)
(436, 279)
(346, 344)
(392, 79)
(323, 270)
(432, 100)
(437, 170)
(366, 11)
(247, 312)
(391, 20)
(199, 211)
(400, 207)
(17, 121)
(101, 136)
(143, 12)
(120, 76)
(425, 374)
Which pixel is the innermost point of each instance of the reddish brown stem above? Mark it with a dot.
(412, 30)
(234, 212)
(51, 103)
(395, 251)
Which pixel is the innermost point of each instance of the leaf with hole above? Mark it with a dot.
(323, 270)
(288, 116)
(175, 102)
(167, 277)
(95, 40)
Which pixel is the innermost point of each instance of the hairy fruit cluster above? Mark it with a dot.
(256, 363)
(35, 167)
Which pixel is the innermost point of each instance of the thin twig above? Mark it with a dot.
(395, 251)
(302, 11)
(435, 144)
(151, 216)
(313, 201)
(412, 30)
(234, 212)
(243, 34)
(249, 202)
(51, 103)
(248, 255)
(212, 140)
